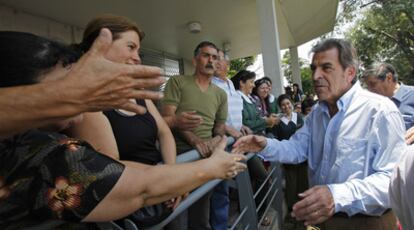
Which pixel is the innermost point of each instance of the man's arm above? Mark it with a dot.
(219, 129)
(232, 132)
(93, 84)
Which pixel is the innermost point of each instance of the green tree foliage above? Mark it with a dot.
(240, 64)
(383, 32)
(305, 72)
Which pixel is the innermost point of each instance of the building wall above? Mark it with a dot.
(15, 20)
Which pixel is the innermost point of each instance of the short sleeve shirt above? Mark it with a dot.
(183, 92)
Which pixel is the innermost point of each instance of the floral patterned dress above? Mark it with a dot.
(49, 176)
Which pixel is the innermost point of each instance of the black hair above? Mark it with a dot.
(257, 84)
(308, 102)
(267, 79)
(26, 56)
(281, 98)
(204, 44)
(242, 75)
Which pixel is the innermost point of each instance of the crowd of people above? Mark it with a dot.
(80, 134)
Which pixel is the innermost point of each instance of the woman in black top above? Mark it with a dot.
(137, 132)
(144, 138)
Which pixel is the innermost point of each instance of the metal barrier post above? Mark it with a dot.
(246, 201)
(278, 202)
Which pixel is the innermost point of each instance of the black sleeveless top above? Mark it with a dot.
(135, 136)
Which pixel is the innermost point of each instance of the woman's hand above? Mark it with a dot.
(223, 164)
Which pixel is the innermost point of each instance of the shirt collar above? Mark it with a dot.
(294, 119)
(344, 101)
(397, 98)
(271, 98)
(246, 98)
(217, 79)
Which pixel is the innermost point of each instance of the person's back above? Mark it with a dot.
(401, 188)
(404, 99)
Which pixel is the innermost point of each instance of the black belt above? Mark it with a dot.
(358, 215)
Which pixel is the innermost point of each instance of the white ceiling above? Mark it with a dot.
(164, 21)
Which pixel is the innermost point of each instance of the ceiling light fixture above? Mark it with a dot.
(194, 27)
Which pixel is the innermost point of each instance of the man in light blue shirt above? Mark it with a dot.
(234, 122)
(383, 79)
(220, 203)
(351, 140)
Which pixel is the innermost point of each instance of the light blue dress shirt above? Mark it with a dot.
(404, 100)
(353, 152)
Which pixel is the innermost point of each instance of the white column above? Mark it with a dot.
(266, 11)
(294, 65)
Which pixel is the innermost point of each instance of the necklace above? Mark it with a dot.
(124, 113)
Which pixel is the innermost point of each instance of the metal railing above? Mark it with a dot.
(248, 214)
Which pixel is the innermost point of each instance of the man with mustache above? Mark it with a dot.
(352, 140)
(206, 104)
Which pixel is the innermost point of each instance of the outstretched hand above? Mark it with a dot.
(250, 143)
(224, 164)
(97, 83)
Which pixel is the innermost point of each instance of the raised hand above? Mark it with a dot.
(97, 83)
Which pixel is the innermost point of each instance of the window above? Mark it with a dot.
(171, 64)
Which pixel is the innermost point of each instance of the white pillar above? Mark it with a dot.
(266, 11)
(294, 65)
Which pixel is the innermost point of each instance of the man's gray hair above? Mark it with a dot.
(226, 57)
(347, 54)
(380, 71)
